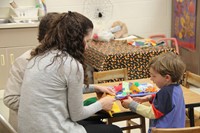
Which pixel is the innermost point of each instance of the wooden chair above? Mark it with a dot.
(196, 118)
(110, 75)
(191, 79)
(177, 130)
(5, 127)
(157, 37)
(174, 43)
(120, 74)
(163, 38)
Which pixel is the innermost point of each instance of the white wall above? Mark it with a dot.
(142, 17)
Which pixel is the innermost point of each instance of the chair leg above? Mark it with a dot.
(128, 125)
(142, 125)
(131, 124)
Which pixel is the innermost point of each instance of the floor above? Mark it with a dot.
(4, 111)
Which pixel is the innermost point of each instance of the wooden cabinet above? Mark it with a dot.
(191, 57)
(3, 67)
(13, 43)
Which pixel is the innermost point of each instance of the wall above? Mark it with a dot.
(143, 17)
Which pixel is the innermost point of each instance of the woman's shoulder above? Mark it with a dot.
(24, 56)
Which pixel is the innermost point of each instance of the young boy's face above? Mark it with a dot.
(158, 79)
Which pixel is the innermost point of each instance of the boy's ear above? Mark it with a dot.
(168, 77)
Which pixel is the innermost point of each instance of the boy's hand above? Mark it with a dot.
(125, 103)
(141, 99)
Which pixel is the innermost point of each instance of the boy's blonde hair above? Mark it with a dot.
(168, 64)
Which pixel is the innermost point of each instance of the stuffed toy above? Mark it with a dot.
(117, 30)
(120, 29)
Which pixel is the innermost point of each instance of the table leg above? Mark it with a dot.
(191, 116)
(142, 121)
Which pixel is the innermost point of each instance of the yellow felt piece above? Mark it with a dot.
(115, 108)
(134, 88)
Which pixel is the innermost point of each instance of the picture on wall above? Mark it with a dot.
(184, 23)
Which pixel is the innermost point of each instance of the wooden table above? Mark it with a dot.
(118, 54)
(192, 99)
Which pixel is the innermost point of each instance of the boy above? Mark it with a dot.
(168, 107)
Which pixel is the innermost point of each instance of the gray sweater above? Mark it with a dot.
(46, 104)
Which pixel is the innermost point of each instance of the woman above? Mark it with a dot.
(51, 95)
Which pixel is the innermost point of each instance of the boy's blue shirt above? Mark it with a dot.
(170, 102)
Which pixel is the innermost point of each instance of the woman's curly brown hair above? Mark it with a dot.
(45, 24)
(67, 35)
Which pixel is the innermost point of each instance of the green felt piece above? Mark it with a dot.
(89, 101)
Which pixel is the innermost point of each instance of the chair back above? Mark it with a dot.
(110, 75)
(176, 130)
(191, 78)
(156, 37)
(174, 43)
(163, 38)
(5, 127)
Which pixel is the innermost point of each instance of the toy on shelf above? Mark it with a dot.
(116, 31)
(142, 43)
(125, 89)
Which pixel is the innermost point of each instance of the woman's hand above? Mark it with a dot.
(107, 102)
(105, 89)
(100, 90)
